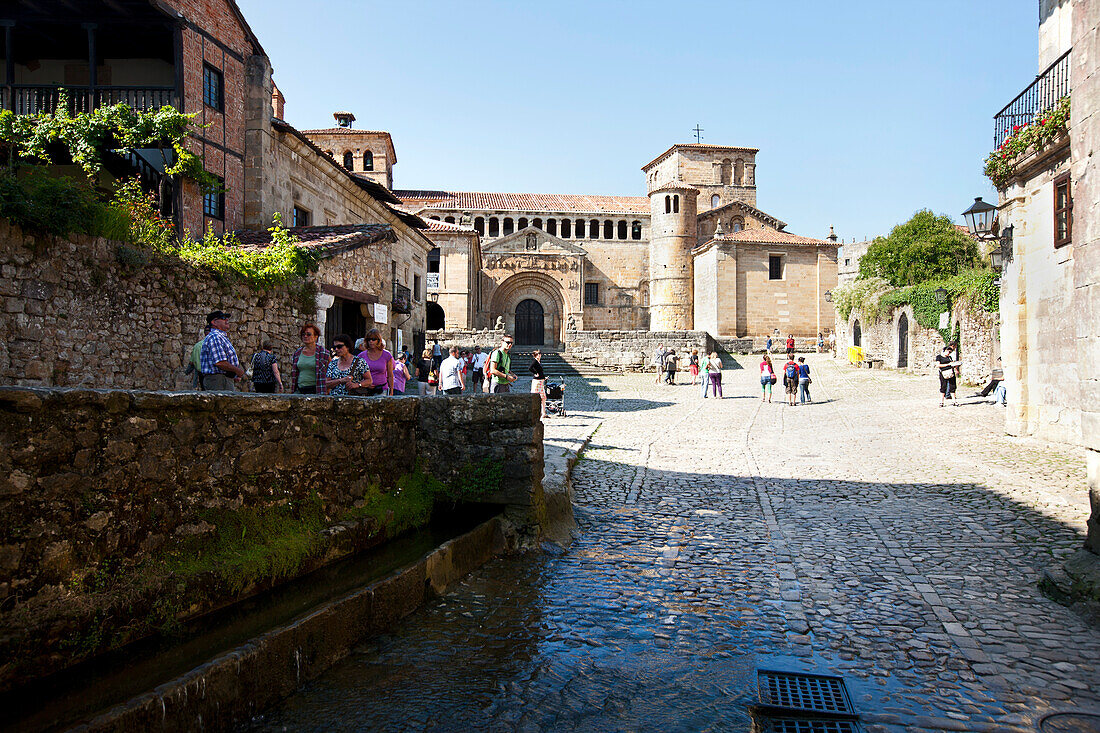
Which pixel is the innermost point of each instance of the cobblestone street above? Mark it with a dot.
(871, 535)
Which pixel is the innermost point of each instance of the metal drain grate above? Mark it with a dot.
(809, 726)
(804, 692)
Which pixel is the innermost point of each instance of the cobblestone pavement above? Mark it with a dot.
(871, 535)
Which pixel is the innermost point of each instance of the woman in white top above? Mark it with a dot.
(714, 373)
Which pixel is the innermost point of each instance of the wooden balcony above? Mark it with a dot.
(25, 99)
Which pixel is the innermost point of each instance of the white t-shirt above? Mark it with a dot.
(479, 361)
(450, 373)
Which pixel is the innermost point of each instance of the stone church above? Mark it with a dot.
(694, 253)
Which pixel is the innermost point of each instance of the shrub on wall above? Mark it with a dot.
(927, 247)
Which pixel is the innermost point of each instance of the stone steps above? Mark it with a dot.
(555, 364)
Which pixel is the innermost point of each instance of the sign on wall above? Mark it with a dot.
(381, 313)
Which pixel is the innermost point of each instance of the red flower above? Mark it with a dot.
(1016, 128)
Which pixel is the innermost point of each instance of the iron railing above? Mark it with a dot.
(26, 99)
(1041, 95)
(402, 298)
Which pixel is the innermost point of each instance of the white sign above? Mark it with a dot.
(381, 313)
(943, 319)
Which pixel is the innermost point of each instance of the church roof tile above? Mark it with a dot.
(767, 235)
(536, 202)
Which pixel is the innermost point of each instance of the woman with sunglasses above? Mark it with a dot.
(346, 370)
(380, 363)
(309, 364)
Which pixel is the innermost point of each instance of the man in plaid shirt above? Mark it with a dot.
(217, 358)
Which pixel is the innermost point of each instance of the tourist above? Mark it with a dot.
(995, 379)
(767, 377)
(437, 355)
(426, 374)
(346, 373)
(194, 362)
(803, 381)
(693, 365)
(401, 374)
(309, 362)
(659, 362)
(468, 368)
(714, 374)
(670, 366)
(380, 363)
(790, 346)
(265, 370)
(768, 345)
(451, 380)
(538, 379)
(790, 379)
(500, 367)
(946, 365)
(360, 347)
(480, 358)
(820, 343)
(217, 357)
(832, 343)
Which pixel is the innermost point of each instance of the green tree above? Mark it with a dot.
(927, 247)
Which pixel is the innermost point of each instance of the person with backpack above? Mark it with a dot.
(670, 367)
(499, 367)
(790, 346)
(790, 380)
(767, 378)
(803, 381)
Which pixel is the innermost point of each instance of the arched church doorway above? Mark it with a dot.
(435, 318)
(903, 341)
(857, 334)
(530, 323)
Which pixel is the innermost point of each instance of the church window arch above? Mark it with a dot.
(714, 200)
(676, 204)
(737, 224)
(725, 171)
(622, 230)
(668, 204)
(739, 172)
(552, 226)
(523, 222)
(494, 227)
(509, 225)
(566, 228)
(349, 160)
(594, 229)
(608, 229)
(537, 223)
(368, 160)
(479, 225)
(636, 230)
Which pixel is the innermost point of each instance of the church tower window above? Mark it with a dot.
(622, 230)
(676, 204)
(739, 172)
(636, 230)
(726, 170)
(668, 204)
(349, 160)
(714, 201)
(737, 224)
(368, 161)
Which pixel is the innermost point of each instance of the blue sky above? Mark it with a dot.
(863, 111)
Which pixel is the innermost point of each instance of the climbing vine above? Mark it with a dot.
(1001, 163)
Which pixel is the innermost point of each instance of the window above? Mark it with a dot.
(676, 204)
(594, 229)
(608, 229)
(212, 88)
(368, 161)
(433, 260)
(591, 293)
(509, 225)
(621, 230)
(566, 228)
(213, 202)
(668, 204)
(416, 287)
(714, 201)
(725, 171)
(1063, 211)
(537, 223)
(449, 219)
(739, 172)
(552, 226)
(494, 227)
(523, 222)
(636, 230)
(349, 160)
(737, 224)
(775, 267)
(299, 217)
(479, 225)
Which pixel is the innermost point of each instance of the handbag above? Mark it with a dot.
(774, 378)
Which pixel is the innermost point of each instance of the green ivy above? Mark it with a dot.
(1001, 163)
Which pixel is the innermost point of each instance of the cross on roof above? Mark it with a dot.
(698, 133)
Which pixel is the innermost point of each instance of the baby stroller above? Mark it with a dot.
(555, 397)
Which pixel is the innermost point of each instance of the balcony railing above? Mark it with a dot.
(433, 281)
(402, 298)
(1041, 95)
(23, 99)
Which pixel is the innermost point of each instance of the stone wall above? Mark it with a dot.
(978, 341)
(89, 312)
(632, 351)
(466, 338)
(105, 478)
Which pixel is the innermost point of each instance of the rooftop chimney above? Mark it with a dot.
(832, 235)
(278, 102)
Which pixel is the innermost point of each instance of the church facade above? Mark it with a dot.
(693, 253)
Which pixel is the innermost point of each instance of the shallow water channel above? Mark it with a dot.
(580, 641)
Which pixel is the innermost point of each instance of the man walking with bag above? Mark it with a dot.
(499, 367)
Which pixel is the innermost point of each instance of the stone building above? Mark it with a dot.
(552, 263)
(1050, 288)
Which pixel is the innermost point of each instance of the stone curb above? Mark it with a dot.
(557, 488)
(230, 689)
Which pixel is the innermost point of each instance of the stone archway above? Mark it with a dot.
(530, 323)
(545, 291)
(434, 316)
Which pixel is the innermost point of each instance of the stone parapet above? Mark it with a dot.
(466, 338)
(632, 351)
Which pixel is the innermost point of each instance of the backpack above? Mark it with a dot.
(791, 371)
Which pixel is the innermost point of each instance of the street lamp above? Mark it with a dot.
(828, 296)
(940, 295)
(979, 218)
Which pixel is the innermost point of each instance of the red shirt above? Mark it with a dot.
(790, 344)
